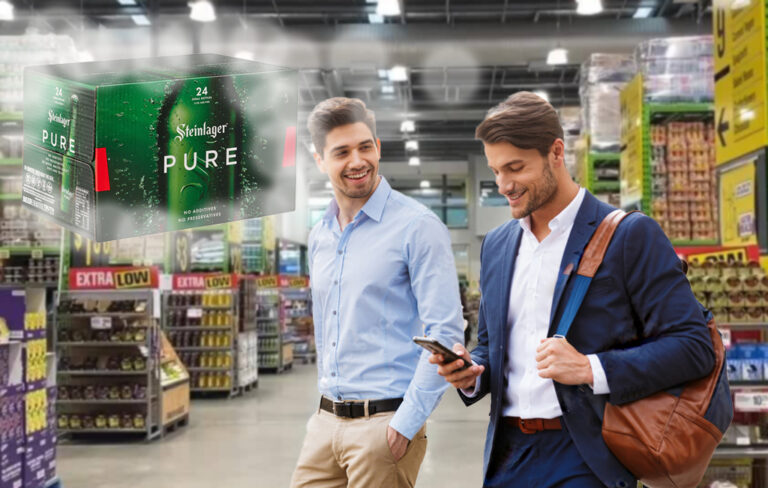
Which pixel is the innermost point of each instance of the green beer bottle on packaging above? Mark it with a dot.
(67, 165)
(200, 152)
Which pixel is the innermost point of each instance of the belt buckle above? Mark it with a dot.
(525, 429)
(341, 409)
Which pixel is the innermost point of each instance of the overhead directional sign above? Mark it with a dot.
(741, 122)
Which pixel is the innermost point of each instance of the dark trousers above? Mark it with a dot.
(546, 459)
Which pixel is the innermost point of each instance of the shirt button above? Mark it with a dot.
(333, 374)
(340, 253)
(334, 312)
(335, 282)
(333, 344)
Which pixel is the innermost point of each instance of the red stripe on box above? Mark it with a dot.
(289, 151)
(102, 169)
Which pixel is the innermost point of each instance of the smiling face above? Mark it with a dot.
(351, 160)
(524, 176)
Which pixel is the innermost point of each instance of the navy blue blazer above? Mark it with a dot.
(639, 316)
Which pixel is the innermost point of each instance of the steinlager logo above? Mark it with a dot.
(54, 117)
(184, 130)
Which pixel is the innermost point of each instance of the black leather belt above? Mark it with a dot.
(356, 408)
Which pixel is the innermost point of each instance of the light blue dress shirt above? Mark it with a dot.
(387, 277)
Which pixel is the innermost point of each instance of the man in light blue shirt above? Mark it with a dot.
(382, 271)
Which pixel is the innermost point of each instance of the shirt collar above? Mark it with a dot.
(564, 219)
(373, 208)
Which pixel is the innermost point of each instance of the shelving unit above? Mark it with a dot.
(268, 325)
(109, 363)
(296, 313)
(202, 326)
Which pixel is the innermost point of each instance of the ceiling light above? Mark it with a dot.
(126, 3)
(542, 94)
(387, 89)
(643, 12)
(312, 149)
(589, 7)
(398, 73)
(6, 10)
(557, 56)
(375, 19)
(84, 56)
(244, 55)
(141, 20)
(414, 161)
(411, 145)
(408, 126)
(202, 11)
(388, 8)
(328, 185)
(424, 184)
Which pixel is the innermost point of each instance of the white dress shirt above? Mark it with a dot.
(527, 395)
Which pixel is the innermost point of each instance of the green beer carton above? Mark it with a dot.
(127, 148)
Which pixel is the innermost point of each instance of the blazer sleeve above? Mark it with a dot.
(674, 347)
(480, 353)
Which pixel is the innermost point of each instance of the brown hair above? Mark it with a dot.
(335, 112)
(524, 120)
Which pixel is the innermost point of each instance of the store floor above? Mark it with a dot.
(254, 441)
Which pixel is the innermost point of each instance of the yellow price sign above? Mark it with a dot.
(267, 282)
(133, 278)
(631, 164)
(737, 205)
(741, 114)
(218, 281)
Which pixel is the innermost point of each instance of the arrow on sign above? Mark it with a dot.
(722, 127)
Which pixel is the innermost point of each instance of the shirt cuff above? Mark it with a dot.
(600, 382)
(407, 421)
(472, 392)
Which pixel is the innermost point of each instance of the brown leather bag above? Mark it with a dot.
(665, 440)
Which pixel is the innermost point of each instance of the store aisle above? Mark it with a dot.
(253, 442)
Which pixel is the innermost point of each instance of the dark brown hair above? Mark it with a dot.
(524, 120)
(335, 112)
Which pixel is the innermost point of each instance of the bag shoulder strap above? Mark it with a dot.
(590, 262)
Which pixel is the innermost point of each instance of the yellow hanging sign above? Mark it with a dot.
(737, 205)
(631, 165)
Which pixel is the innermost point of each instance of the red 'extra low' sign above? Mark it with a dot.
(124, 278)
(205, 281)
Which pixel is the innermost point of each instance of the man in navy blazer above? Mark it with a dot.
(639, 330)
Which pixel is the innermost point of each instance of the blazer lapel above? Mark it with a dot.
(508, 271)
(583, 228)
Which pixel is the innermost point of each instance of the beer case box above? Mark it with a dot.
(127, 148)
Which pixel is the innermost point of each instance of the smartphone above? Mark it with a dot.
(435, 347)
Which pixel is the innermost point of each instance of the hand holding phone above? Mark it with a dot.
(463, 376)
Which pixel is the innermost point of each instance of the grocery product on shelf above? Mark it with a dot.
(677, 68)
(684, 184)
(202, 327)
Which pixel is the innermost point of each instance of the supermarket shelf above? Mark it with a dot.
(269, 334)
(204, 307)
(210, 389)
(658, 108)
(29, 249)
(10, 161)
(221, 328)
(743, 325)
(267, 319)
(8, 116)
(102, 402)
(209, 370)
(10, 196)
(101, 344)
(748, 384)
(104, 314)
(606, 156)
(103, 431)
(606, 187)
(698, 243)
(724, 452)
(103, 373)
(201, 348)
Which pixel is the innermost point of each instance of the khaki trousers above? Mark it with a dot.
(354, 453)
